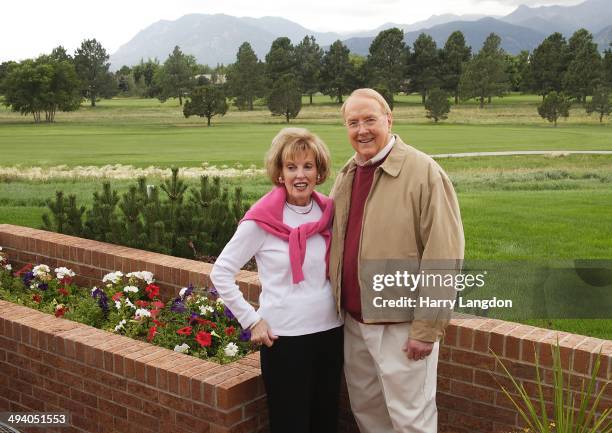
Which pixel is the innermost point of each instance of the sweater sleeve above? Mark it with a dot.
(245, 243)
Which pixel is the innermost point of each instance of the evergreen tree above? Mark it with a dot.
(337, 73)
(280, 60)
(245, 78)
(206, 101)
(176, 77)
(485, 76)
(553, 106)
(454, 56)
(548, 65)
(437, 105)
(309, 58)
(600, 103)
(92, 68)
(386, 62)
(607, 68)
(102, 223)
(286, 97)
(424, 66)
(144, 74)
(584, 68)
(65, 217)
(516, 70)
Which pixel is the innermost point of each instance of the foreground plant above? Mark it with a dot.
(196, 322)
(571, 412)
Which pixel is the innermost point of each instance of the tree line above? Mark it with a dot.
(565, 70)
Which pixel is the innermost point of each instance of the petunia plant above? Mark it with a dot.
(196, 322)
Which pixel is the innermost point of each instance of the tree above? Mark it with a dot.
(600, 103)
(386, 63)
(454, 56)
(91, 63)
(309, 58)
(607, 68)
(485, 76)
(286, 97)
(584, 68)
(245, 78)
(42, 85)
(548, 65)
(176, 77)
(144, 73)
(280, 60)
(424, 66)
(337, 73)
(516, 70)
(553, 106)
(437, 105)
(206, 101)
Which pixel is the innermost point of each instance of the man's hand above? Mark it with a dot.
(417, 349)
(262, 334)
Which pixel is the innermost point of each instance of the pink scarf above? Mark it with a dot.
(268, 214)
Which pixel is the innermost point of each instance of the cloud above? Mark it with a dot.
(532, 3)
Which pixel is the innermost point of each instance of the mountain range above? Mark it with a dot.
(214, 39)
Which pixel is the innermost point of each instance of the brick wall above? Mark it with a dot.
(110, 383)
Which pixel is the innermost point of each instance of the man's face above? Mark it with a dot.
(367, 125)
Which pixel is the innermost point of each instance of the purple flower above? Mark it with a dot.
(27, 278)
(102, 299)
(189, 291)
(213, 292)
(245, 335)
(43, 286)
(178, 306)
(228, 313)
(194, 317)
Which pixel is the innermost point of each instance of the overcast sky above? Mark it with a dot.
(33, 27)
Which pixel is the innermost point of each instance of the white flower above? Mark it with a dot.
(129, 303)
(118, 305)
(132, 289)
(142, 312)
(113, 277)
(120, 325)
(183, 348)
(205, 309)
(63, 272)
(8, 267)
(214, 334)
(146, 276)
(40, 270)
(0, 248)
(220, 301)
(231, 350)
(182, 292)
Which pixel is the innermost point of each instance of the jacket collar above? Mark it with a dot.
(392, 165)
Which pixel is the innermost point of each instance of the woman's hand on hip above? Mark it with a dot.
(262, 334)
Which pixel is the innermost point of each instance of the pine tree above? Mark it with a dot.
(553, 106)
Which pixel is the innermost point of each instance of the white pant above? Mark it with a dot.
(388, 392)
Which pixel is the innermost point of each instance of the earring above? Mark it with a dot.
(280, 179)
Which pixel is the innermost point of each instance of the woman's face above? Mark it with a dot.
(300, 177)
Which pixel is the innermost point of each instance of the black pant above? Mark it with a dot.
(302, 379)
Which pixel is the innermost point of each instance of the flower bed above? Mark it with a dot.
(191, 323)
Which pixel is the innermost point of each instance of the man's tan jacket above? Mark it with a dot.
(412, 214)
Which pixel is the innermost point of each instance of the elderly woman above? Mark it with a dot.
(288, 232)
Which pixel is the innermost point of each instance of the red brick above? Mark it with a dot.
(236, 390)
(446, 369)
(472, 359)
(476, 393)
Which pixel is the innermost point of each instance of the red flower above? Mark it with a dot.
(26, 268)
(184, 331)
(63, 291)
(206, 322)
(154, 313)
(152, 291)
(66, 281)
(230, 330)
(152, 332)
(204, 338)
(158, 304)
(59, 312)
(142, 303)
(37, 298)
(158, 323)
(117, 296)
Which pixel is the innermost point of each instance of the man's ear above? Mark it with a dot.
(390, 120)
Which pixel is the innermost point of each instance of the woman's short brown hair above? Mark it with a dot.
(290, 142)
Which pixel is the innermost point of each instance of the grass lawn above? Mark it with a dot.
(516, 207)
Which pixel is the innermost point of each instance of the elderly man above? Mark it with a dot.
(395, 209)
